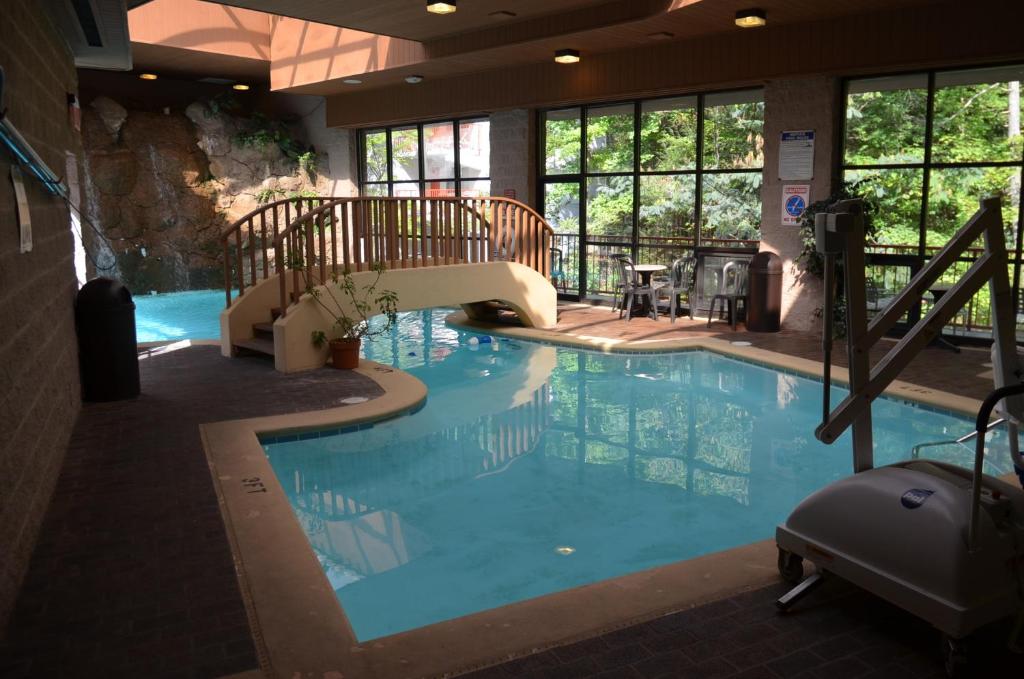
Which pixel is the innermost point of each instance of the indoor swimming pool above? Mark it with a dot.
(533, 469)
(168, 316)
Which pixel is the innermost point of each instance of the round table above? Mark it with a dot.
(646, 271)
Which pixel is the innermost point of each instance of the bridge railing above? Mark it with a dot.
(358, 233)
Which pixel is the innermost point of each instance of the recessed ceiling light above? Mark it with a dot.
(148, 76)
(241, 87)
(661, 35)
(352, 81)
(567, 56)
(413, 79)
(751, 18)
(435, 7)
(502, 14)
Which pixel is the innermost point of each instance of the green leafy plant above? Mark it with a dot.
(307, 161)
(341, 293)
(269, 195)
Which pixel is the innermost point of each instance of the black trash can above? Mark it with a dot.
(108, 356)
(765, 290)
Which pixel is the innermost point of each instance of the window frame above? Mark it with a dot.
(915, 261)
(457, 180)
(698, 172)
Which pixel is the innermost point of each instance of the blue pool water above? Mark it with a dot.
(532, 469)
(194, 314)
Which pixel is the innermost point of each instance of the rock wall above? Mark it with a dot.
(162, 187)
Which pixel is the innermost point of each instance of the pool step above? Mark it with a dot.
(256, 345)
(263, 330)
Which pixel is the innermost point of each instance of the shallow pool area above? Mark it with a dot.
(533, 469)
(192, 314)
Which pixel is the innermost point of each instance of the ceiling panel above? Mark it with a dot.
(409, 18)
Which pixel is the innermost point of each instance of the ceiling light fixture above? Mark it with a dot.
(148, 76)
(502, 14)
(352, 81)
(751, 18)
(241, 87)
(661, 35)
(567, 56)
(413, 79)
(435, 7)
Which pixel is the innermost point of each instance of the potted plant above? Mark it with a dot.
(351, 306)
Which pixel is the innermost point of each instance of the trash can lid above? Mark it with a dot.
(766, 262)
(103, 293)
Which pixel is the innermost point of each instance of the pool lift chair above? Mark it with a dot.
(937, 540)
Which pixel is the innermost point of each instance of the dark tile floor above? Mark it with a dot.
(837, 633)
(133, 575)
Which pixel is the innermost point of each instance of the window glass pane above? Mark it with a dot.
(610, 207)
(977, 115)
(375, 145)
(896, 195)
(405, 154)
(733, 130)
(439, 189)
(439, 150)
(562, 131)
(476, 187)
(406, 189)
(562, 212)
(668, 134)
(954, 195)
(610, 139)
(731, 208)
(885, 120)
(667, 206)
(475, 148)
(375, 190)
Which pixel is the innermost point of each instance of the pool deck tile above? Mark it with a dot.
(133, 576)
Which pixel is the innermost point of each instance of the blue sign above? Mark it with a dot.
(795, 206)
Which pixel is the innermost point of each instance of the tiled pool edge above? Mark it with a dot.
(912, 394)
(299, 626)
(261, 526)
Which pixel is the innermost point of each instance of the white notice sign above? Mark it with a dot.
(21, 209)
(794, 201)
(796, 155)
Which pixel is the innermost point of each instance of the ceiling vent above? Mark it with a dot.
(95, 30)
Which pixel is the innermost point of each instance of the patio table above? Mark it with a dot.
(646, 271)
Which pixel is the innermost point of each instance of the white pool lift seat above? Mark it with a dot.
(940, 541)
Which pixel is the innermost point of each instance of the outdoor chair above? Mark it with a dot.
(619, 296)
(558, 278)
(632, 287)
(732, 289)
(681, 281)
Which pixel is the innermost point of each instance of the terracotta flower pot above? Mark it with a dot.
(345, 353)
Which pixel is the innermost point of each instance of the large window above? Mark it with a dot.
(449, 158)
(655, 178)
(925, 148)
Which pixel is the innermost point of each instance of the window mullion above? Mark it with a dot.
(698, 189)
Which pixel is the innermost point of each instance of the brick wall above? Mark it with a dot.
(39, 399)
(512, 157)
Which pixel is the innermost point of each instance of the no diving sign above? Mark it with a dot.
(794, 201)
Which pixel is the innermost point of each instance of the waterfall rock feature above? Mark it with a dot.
(162, 188)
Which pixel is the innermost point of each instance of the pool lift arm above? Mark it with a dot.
(940, 541)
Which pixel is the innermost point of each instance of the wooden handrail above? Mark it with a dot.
(248, 242)
(357, 233)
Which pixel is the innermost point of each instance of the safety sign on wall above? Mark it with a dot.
(794, 201)
(796, 155)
